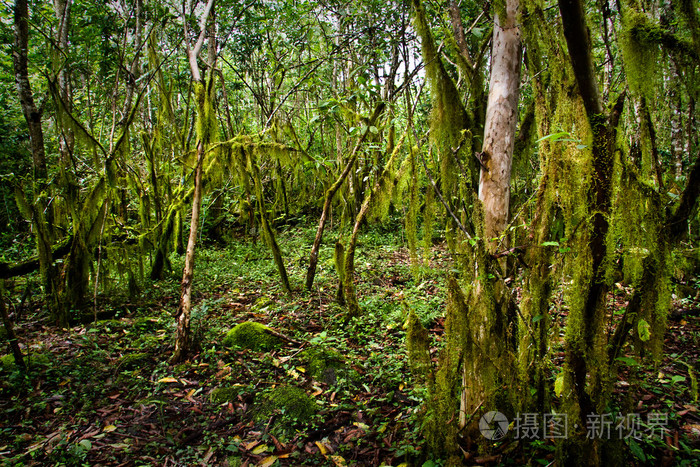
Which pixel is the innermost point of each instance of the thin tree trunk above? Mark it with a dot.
(9, 328)
(487, 345)
(204, 109)
(182, 341)
(501, 123)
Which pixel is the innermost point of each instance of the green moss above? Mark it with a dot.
(132, 361)
(418, 345)
(251, 335)
(7, 362)
(291, 402)
(327, 366)
(109, 324)
(221, 395)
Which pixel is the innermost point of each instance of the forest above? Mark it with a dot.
(349, 233)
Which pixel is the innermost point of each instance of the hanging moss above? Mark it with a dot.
(449, 122)
(441, 418)
(418, 345)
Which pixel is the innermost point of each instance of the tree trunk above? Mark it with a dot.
(182, 341)
(35, 210)
(500, 125)
(487, 349)
(205, 133)
(32, 114)
(11, 336)
(583, 355)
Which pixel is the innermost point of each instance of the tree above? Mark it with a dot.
(206, 132)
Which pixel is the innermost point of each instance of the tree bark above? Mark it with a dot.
(501, 123)
(182, 341)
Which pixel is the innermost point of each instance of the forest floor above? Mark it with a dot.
(103, 393)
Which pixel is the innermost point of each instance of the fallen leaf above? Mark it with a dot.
(109, 428)
(251, 445)
(260, 449)
(338, 461)
(168, 379)
(267, 462)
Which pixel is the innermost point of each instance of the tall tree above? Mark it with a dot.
(206, 128)
(36, 210)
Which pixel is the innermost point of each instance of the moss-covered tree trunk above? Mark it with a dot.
(36, 210)
(491, 350)
(586, 360)
(330, 193)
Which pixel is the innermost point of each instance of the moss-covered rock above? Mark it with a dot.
(327, 366)
(291, 402)
(132, 361)
(251, 335)
(221, 395)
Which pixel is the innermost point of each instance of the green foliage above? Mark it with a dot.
(251, 335)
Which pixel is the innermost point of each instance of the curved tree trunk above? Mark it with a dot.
(330, 193)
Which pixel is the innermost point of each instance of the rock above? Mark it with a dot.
(291, 402)
(251, 335)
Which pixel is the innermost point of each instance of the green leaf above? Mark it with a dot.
(85, 445)
(637, 450)
(550, 244)
(537, 318)
(559, 385)
(373, 130)
(627, 361)
(554, 136)
(677, 379)
(644, 330)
